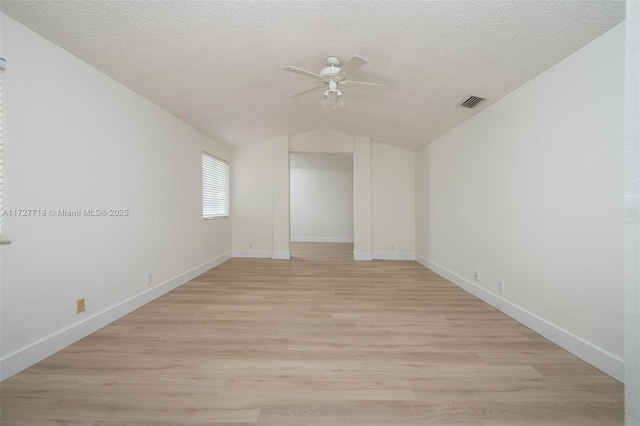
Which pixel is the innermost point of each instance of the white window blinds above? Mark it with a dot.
(215, 186)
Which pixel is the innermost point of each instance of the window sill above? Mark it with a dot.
(216, 217)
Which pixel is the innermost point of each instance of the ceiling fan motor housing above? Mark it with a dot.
(333, 68)
(330, 72)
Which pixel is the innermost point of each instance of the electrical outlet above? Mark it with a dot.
(476, 276)
(393, 247)
(500, 286)
(149, 277)
(250, 244)
(79, 305)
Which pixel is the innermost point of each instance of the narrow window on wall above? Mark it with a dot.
(3, 225)
(215, 187)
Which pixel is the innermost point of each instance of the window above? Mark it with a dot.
(215, 187)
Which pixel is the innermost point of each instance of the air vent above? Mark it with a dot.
(472, 101)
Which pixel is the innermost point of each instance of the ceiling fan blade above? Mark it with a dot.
(362, 83)
(305, 91)
(304, 72)
(355, 63)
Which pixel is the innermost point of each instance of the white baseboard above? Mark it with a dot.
(262, 254)
(393, 255)
(362, 256)
(281, 255)
(24, 358)
(321, 239)
(599, 358)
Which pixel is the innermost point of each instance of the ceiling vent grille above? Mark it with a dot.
(472, 101)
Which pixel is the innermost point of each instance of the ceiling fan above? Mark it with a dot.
(332, 76)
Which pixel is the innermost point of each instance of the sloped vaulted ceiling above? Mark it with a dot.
(217, 65)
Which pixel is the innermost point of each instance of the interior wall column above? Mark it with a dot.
(362, 199)
(280, 169)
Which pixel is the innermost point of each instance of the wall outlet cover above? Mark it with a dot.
(80, 307)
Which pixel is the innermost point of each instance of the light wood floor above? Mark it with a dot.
(317, 340)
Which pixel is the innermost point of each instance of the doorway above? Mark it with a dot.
(321, 204)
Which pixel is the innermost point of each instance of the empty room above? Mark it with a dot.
(319, 212)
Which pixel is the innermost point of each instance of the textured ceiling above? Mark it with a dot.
(218, 64)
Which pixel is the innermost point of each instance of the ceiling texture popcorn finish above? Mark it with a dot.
(218, 65)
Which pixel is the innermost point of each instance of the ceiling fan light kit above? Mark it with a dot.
(333, 100)
(332, 76)
(332, 96)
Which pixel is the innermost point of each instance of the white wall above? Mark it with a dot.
(383, 200)
(632, 215)
(392, 202)
(529, 191)
(321, 141)
(256, 174)
(321, 205)
(78, 140)
(252, 200)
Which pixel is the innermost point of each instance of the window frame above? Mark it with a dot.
(220, 191)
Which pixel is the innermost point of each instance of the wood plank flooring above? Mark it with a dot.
(316, 340)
